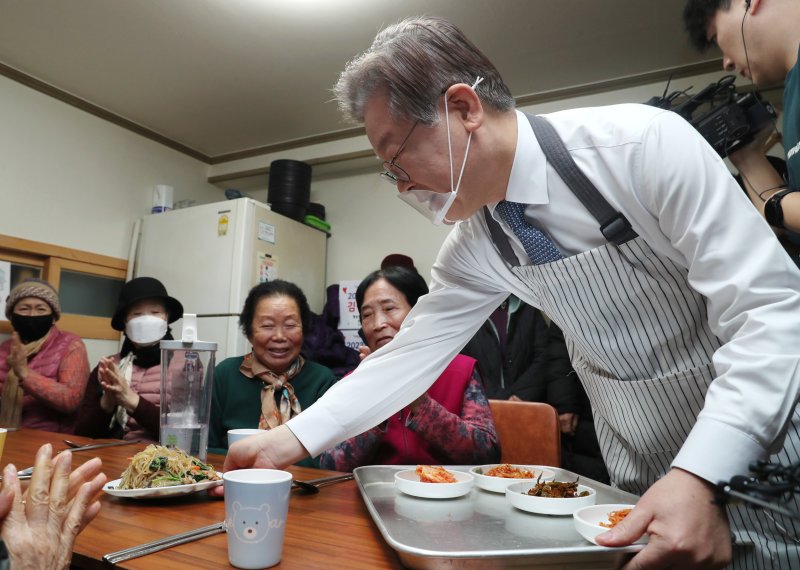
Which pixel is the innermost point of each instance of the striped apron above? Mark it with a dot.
(640, 342)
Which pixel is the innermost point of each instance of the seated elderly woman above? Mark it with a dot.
(273, 383)
(43, 370)
(450, 424)
(125, 389)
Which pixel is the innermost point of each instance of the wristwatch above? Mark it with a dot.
(773, 211)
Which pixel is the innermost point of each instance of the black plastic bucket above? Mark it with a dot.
(289, 187)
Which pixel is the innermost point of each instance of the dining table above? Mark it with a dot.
(330, 529)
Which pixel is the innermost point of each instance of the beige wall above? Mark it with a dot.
(71, 179)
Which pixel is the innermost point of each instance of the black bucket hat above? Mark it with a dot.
(144, 288)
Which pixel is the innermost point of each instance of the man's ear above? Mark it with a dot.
(462, 97)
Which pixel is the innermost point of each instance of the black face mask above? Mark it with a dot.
(30, 329)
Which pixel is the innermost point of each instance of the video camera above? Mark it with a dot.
(726, 118)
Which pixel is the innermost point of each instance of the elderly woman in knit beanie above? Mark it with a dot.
(43, 370)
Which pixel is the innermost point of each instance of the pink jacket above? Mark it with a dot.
(54, 389)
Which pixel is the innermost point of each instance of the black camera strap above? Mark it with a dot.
(614, 226)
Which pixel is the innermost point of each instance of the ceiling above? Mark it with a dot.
(222, 79)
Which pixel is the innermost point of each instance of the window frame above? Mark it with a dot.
(53, 259)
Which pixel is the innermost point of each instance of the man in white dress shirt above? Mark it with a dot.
(684, 331)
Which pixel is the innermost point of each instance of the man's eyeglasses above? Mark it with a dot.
(392, 172)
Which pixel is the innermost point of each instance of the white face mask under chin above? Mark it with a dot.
(146, 329)
(435, 205)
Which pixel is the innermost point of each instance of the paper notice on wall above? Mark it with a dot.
(5, 284)
(348, 311)
(267, 267)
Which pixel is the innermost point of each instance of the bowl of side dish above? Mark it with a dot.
(518, 495)
(454, 484)
(597, 519)
(498, 476)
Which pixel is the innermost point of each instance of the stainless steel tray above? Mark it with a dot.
(481, 530)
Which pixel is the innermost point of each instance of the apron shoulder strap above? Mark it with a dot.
(500, 239)
(614, 226)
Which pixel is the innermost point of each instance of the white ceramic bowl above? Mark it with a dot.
(588, 519)
(408, 482)
(499, 484)
(517, 495)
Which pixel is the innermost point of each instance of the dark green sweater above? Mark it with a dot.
(236, 399)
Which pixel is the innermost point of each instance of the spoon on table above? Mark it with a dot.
(312, 487)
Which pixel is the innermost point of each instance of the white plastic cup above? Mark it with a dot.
(162, 198)
(256, 504)
(235, 435)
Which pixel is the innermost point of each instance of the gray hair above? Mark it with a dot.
(416, 60)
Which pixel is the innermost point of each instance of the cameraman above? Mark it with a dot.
(759, 39)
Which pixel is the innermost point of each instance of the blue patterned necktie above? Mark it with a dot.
(537, 245)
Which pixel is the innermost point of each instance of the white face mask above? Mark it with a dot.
(146, 329)
(435, 205)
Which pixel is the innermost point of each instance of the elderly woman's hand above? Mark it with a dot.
(41, 525)
(17, 361)
(363, 351)
(116, 391)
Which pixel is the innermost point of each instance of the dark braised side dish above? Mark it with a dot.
(556, 490)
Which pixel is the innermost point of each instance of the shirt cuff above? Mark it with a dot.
(316, 429)
(715, 451)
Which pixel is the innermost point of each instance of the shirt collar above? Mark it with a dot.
(527, 183)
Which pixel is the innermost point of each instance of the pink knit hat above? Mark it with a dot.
(34, 288)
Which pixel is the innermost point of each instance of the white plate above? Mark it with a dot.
(588, 519)
(156, 492)
(499, 484)
(518, 497)
(408, 482)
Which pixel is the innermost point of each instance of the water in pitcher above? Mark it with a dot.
(191, 438)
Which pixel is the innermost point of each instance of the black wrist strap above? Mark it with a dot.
(773, 211)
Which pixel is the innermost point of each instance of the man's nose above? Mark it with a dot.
(404, 185)
(727, 64)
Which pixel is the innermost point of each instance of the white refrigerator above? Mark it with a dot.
(210, 256)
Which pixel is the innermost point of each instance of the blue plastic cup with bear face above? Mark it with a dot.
(256, 503)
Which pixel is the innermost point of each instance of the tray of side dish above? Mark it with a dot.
(481, 528)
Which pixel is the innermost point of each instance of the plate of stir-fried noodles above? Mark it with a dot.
(163, 472)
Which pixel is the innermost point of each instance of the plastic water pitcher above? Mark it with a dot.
(187, 375)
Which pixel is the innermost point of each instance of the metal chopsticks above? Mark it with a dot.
(101, 445)
(164, 543)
